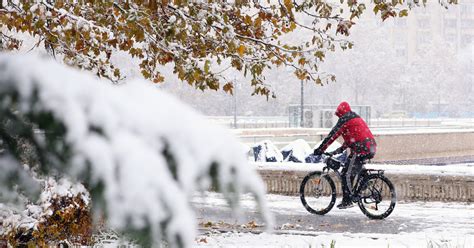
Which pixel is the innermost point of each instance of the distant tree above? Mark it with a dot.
(369, 70)
(437, 75)
(201, 39)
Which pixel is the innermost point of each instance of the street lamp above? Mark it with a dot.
(302, 105)
(237, 86)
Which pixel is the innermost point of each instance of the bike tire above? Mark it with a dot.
(375, 193)
(330, 189)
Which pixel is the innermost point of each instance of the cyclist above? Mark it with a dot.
(358, 138)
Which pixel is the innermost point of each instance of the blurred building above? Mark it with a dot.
(450, 29)
(453, 27)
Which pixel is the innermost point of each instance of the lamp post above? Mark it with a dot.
(237, 86)
(302, 105)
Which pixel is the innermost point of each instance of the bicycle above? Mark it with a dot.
(373, 192)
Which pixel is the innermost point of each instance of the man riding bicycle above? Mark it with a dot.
(358, 138)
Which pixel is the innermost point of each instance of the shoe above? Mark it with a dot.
(344, 205)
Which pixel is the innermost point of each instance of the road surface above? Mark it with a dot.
(431, 221)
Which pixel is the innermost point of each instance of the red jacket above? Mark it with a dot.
(357, 135)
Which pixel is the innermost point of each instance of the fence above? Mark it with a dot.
(246, 122)
(243, 122)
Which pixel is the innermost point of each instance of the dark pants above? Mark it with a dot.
(352, 168)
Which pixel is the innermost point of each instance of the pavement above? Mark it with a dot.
(214, 216)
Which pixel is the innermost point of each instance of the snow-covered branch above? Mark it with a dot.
(141, 153)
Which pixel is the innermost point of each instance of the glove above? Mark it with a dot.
(317, 152)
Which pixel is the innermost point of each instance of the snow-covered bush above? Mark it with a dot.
(296, 151)
(62, 213)
(140, 152)
(266, 151)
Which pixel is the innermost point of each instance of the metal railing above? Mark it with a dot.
(251, 121)
(283, 122)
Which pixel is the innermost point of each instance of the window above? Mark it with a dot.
(423, 37)
(400, 22)
(400, 37)
(467, 9)
(424, 23)
(466, 40)
(401, 52)
(450, 23)
(450, 38)
(467, 23)
(423, 11)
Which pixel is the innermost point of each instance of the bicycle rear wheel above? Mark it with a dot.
(318, 193)
(377, 197)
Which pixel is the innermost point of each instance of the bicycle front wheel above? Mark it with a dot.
(377, 197)
(318, 193)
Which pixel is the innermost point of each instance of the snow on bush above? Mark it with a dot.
(61, 213)
(296, 151)
(266, 151)
(141, 152)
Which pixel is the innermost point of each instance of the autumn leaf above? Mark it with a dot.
(202, 240)
(288, 4)
(228, 88)
(344, 26)
(241, 50)
(301, 61)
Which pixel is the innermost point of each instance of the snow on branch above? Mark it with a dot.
(141, 152)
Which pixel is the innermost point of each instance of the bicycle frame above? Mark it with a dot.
(327, 170)
(358, 179)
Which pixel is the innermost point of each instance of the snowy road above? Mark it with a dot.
(432, 224)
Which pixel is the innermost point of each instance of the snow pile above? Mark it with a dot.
(148, 150)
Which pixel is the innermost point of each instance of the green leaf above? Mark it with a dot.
(207, 66)
(376, 8)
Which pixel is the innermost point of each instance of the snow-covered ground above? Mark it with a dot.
(323, 239)
(419, 224)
